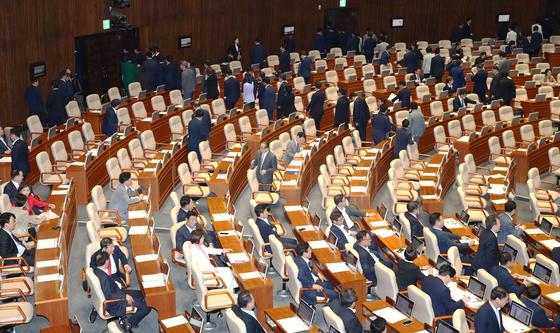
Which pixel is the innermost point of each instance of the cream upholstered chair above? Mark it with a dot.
(93, 102)
(555, 110)
(445, 44)
(422, 91)
(510, 144)
(496, 153)
(340, 61)
(294, 285)
(523, 58)
(272, 60)
(299, 83)
(463, 181)
(454, 130)
(260, 246)
(126, 163)
(60, 155)
(506, 113)
(76, 143)
(332, 78)
(527, 134)
(5, 203)
(235, 66)
(547, 90)
(552, 265)
(436, 109)
(455, 260)
(439, 88)
(176, 255)
(245, 126)
(367, 70)
(475, 176)
(348, 72)
(397, 206)
(520, 96)
(35, 127)
(459, 321)
(96, 231)
(136, 151)
(15, 287)
(295, 56)
(209, 158)
(16, 313)
(149, 144)
(49, 174)
(234, 323)
(176, 127)
(139, 111)
(158, 103)
(389, 81)
(134, 89)
(337, 51)
(543, 66)
(262, 197)
(467, 42)
(469, 125)
(73, 110)
(488, 118)
(309, 129)
(432, 248)
(114, 93)
(522, 257)
(545, 129)
(278, 261)
(262, 118)
(541, 192)
(233, 141)
(92, 139)
(114, 171)
(442, 141)
(523, 69)
(400, 116)
(423, 310)
(386, 282)
(186, 117)
(197, 169)
(369, 87)
(333, 320)
(194, 189)
(218, 107)
(488, 280)
(123, 117)
(554, 160)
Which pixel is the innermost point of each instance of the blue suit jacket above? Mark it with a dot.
(505, 280)
(367, 261)
(284, 62)
(111, 291)
(315, 106)
(486, 321)
(381, 126)
(361, 112)
(251, 324)
(442, 302)
(319, 43)
(341, 238)
(110, 122)
(403, 138)
(342, 111)
(307, 279)
(11, 190)
(410, 61)
(479, 80)
(384, 58)
(266, 229)
(232, 92)
(416, 227)
(458, 77)
(258, 54)
(404, 96)
(488, 254)
(507, 228)
(268, 101)
(20, 157)
(198, 132)
(34, 100)
(540, 319)
(305, 67)
(446, 240)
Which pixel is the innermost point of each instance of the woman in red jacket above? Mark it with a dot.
(33, 202)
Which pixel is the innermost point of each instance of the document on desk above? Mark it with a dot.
(50, 243)
(46, 263)
(152, 277)
(427, 183)
(336, 267)
(534, 231)
(550, 243)
(228, 159)
(59, 192)
(48, 277)
(391, 315)
(175, 321)
(383, 233)
(221, 217)
(137, 214)
(6, 159)
(429, 196)
(293, 208)
(153, 284)
(378, 224)
(429, 174)
(359, 178)
(48, 215)
(362, 168)
(237, 258)
(455, 291)
(358, 189)
(250, 275)
(222, 176)
(146, 257)
(452, 224)
(554, 296)
(512, 325)
(138, 230)
(77, 163)
(374, 150)
(319, 244)
(293, 325)
(149, 169)
(291, 182)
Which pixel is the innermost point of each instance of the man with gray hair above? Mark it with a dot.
(188, 80)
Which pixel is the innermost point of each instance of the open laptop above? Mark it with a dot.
(417, 244)
(495, 103)
(397, 226)
(542, 273)
(476, 287)
(306, 313)
(530, 84)
(441, 260)
(540, 98)
(196, 320)
(160, 88)
(201, 97)
(404, 305)
(444, 327)
(382, 211)
(546, 226)
(509, 249)
(351, 261)
(464, 217)
(332, 240)
(520, 313)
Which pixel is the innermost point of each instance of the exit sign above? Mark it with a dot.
(106, 24)
(342, 3)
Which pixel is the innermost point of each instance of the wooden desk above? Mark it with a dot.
(553, 59)
(537, 158)
(95, 173)
(433, 196)
(185, 328)
(370, 307)
(273, 317)
(532, 92)
(49, 301)
(543, 108)
(546, 289)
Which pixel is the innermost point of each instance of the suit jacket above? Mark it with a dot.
(404, 96)
(211, 85)
(507, 90)
(118, 256)
(540, 319)
(458, 77)
(505, 280)
(367, 261)
(384, 58)
(495, 92)
(111, 291)
(198, 132)
(457, 103)
(507, 228)
(407, 274)
(266, 229)
(251, 324)
(7, 246)
(110, 122)
(319, 42)
(369, 47)
(234, 52)
(149, 74)
(258, 54)
(416, 227)
(351, 322)
(486, 321)
(284, 60)
(268, 100)
(188, 82)
(292, 149)
(410, 61)
(536, 41)
(438, 65)
(446, 240)
(361, 113)
(121, 199)
(417, 125)
(282, 92)
(316, 104)
(34, 100)
(3, 145)
(56, 103)
(20, 157)
(488, 254)
(480, 83)
(341, 237)
(555, 255)
(403, 138)
(442, 302)
(172, 76)
(305, 67)
(11, 190)
(342, 111)
(381, 126)
(232, 91)
(269, 164)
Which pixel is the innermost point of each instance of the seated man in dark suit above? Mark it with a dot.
(12, 187)
(486, 319)
(378, 325)
(412, 214)
(446, 239)
(488, 254)
(505, 279)
(343, 234)
(111, 291)
(350, 213)
(403, 95)
(266, 228)
(344, 307)
(187, 206)
(556, 255)
(461, 100)
(184, 232)
(20, 152)
(369, 253)
(11, 246)
(407, 272)
(245, 310)
(436, 288)
(311, 279)
(540, 319)
(116, 260)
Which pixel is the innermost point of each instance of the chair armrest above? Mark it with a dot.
(109, 301)
(23, 270)
(219, 280)
(301, 290)
(217, 292)
(436, 319)
(188, 186)
(263, 251)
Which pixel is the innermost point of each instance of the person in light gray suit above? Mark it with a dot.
(293, 148)
(188, 81)
(507, 225)
(417, 125)
(123, 196)
(264, 164)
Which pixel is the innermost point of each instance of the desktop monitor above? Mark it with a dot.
(503, 18)
(306, 313)
(476, 287)
(521, 313)
(404, 305)
(288, 29)
(542, 273)
(397, 22)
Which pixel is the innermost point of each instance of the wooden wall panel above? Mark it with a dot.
(34, 30)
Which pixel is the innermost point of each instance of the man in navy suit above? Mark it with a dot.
(350, 212)
(310, 279)
(12, 187)
(461, 100)
(436, 288)
(369, 253)
(282, 93)
(315, 107)
(410, 60)
(258, 53)
(20, 152)
(284, 60)
(342, 109)
(56, 103)
(110, 121)
(488, 254)
(187, 206)
(381, 125)
(403, 95)
(412, 213)
(344, 308)
(361, 115)
(34, 100)
(268, 99)
(305, 68)
(319, 41)
(407, 272)
(245, 310)
(446, 239)
(385, 56)
(198, 132)
(343, 234)
(488, 318)
(266, 228)
(403, 138)
(117, 259)
(505, 279)
(232, 90)
(540, 319)
(149, 71)
(437, 65)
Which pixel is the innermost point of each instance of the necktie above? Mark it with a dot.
(109, 269)
(462, 102)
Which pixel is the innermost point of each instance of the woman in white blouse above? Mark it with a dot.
(201, 254)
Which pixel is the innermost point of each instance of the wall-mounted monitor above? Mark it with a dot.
(184, 41)
(397, 22)
(503, 18)
(38, 69)
(288, 29)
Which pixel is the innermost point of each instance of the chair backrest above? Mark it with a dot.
(494, 146)
(489, 281)
(508, 138)
(98, 197)
(73, 110)
(547, 90)
(436, 108)
(527, 133)
(545, 128)
(97, 296)
(186, 117)
(134, 89)
(488, 118)
(34, 125)
(139, 110)
(93, 102)
(439, 88)
(173, 233)
(332, 77)
(522, 257)
(386, 282)
(552, 265)
(275, 148)
(123, 116)
(367, 69)
(522, 58)
(87, 131)
(43, 162)
(299, 83)
(468, 123)
(114, 93)
(148, 139)
(348, 72)
(272, 60)
(389, 80)
(135, 149)
(422, 91)
(158, 103)
(309, 127)
(114, 171)
(521, 94)
(554, 156)
(235, 65)
(439, 135)
(460, 321)
(5, 203)
(176, 127)
(218, 106)
(234, 323)
(522, 68)
(259, 243)
(262, 118)
(333, 320)
(76, 142)
(194, 163)
(278, 256)
(432, 248)
(423, 309)
(59, 152)
(294, 285)
(124, 159)
(454, 128)
(337, 51)
(455, 259)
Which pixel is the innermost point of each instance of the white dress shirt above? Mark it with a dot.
(347, 218)
(263, 156)
(351, 239)
(371, 253)
(20, 247)
(497, 313)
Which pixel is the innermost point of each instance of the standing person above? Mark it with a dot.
(232, 90)
(438, 65)
(403, 95)
(361, 116)
(495, 92)
(536, 41)
(488, 254)
(282, 92)
(123, 196)
(198, 132)
(248, 90)
(403, 138)
(488, 318)
(504, 64)
(417, 125)
(268, 99)
(369, 48)
(173, 74)
(381, 125)
(110, 121)
(410, 60)
(234, 50)
(458, 75)
(264, 165)
(319, 41)
(507, 89)
(20, 152)
(56, 105)
(211, 84)
(342, 109)
(284, 61)
(467, 30)
(316, 105)
(289, 43)
(149, 72)
(480, 82)
(34, 100)
(353, 43)
(258, 53)
(457, 33)
(65, 84)
(288, 102)
(385, 55)
(511, 35)
(305, 68)
(427, 62)
(188, 80)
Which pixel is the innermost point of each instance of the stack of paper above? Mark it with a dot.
(293, 325)
(359, 178)
(358, 189)
(291, 182)
(379, 224)
(221, 217)
(175, 321)
(250, 275)
(48, 277)
(228, 159)
(427, 183)
(222, 176)
(452, 224)
(293, 208)
(374, 150)
(391, 315)
(146, 257)
(362, 168)
(152, 277)
(153, 284)
(236, 258)
(77, 163)
(336, 267)
(383, 233)
(534, 231)
(6, 159)
(554, 296)
(138, 230)
(149, 170)
(550, 243)
(46, 263)
(137, 214)
(320, 244)
(50, 243)
(297, 162)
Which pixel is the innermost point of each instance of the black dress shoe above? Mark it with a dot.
(125, 325)
(92, 316)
